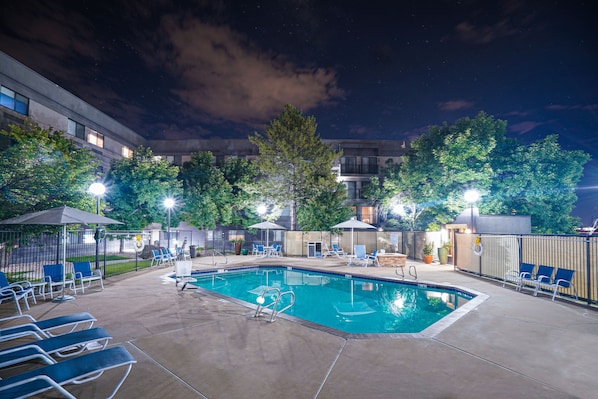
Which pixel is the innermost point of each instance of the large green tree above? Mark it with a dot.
(42, 169)
(137, 188)
(241, 174)
(536, 180)
(294, 163)
(324, 210)
(208, 196)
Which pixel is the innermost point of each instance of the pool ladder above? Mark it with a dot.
(274, 304)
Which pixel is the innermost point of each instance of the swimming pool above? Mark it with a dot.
(348, 303)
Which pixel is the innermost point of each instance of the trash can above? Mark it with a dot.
(192, 252)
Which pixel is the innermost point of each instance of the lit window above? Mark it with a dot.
(14, 101)
(368, 214)
(127, 152)
(76, 129)
(95, 138)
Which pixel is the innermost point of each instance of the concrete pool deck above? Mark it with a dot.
(192, 345)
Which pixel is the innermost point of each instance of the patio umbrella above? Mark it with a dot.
(353, 224)
(267, 226)
(62, 215)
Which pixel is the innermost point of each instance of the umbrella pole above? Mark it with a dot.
(63, 297)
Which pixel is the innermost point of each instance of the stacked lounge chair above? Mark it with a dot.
(51, 340)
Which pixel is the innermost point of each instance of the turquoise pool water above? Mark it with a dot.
(342, 302)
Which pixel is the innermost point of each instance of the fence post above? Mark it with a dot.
(588, 270)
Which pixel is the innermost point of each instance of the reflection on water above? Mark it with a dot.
(345, 303)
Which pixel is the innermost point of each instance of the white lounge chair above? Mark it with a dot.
(182, 271)
(76, 370)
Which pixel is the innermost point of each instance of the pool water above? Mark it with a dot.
(342, 302)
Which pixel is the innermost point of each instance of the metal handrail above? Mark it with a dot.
(274, 304)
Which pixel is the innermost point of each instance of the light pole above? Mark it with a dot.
(261, 209)
(471, 196)
(169, 203)
(97, 190)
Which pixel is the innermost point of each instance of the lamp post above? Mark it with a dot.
(97, 190)
(261, 210)
(471, 196)
(168, 203)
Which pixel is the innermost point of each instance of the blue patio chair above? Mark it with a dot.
(40, 329)
(563, 279)
(85, 274)
(360, 255)
(15, 292)
(46, 350)
(337, 250)
(77, 370)
(167, 256)
(259, 249)
(54, 276)
(157, 258)
(525, 271)
(276, 249)
(544, 274)
(373, 258)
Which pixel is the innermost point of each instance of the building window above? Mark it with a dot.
(127, 152)
(95, 138)
(76, 129)
(351, 189)
(348, 165)
(14, 101)
(369, 165)
(368, 215)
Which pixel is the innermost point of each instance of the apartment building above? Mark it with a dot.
(26, 94)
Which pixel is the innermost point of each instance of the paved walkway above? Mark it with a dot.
(192, 345)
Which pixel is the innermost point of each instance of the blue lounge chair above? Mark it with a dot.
(337, 251)
(15, 292)
(360, 256)
(85, 274)
(45, 328)
(563, 278)
(526, 271)
(55, 277)
(76, 370)
(157, 258)
(70, 344)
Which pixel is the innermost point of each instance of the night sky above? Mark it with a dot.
(364, 69)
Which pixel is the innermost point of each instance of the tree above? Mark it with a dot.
(42, 169)
(241, 174)
(324, 210)
(536, 180)
(294, 163)
(137, 188)
(208, 196)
